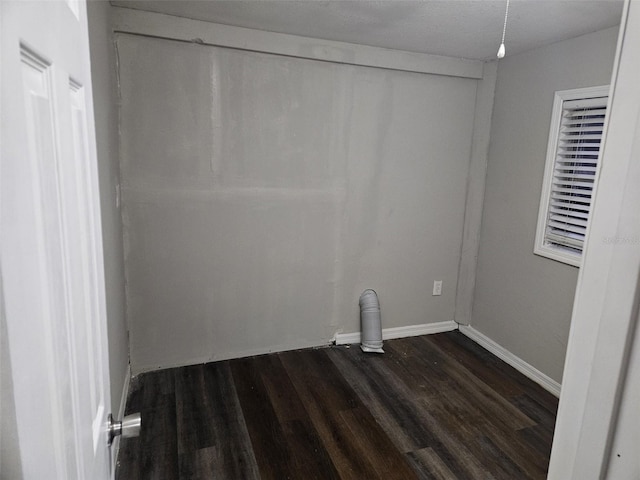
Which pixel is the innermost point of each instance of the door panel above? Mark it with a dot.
(51, 251)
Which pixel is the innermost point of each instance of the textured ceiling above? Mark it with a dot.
(457, 28)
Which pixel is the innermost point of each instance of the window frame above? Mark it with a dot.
(541, 247)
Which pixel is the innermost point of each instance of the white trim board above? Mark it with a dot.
(143, 368)
(400, 332)
(121, 409)
(138, 22)
(502, 353)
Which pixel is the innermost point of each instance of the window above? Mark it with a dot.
(573, 154)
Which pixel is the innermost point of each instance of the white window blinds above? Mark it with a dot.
(570, 180)
(573, 178)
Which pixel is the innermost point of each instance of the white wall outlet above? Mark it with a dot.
(437, 287)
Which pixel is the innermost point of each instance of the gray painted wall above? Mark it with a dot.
(523, 301)
(262, 194)
(106, 121)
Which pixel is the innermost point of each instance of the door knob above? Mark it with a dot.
(128, 427)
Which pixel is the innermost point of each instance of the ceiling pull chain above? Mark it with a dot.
(504, 31)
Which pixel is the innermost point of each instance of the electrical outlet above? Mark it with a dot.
(437, 287)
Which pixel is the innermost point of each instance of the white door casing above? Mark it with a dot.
(598, 384)
(51, 251)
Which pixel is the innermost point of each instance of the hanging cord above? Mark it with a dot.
(504, 31)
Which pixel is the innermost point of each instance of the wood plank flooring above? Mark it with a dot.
(432, 407)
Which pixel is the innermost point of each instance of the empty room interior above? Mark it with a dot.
(261, 164)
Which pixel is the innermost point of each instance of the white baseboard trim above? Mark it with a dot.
(399, 332)
(121, 409)
(502, 353)
(219, 356)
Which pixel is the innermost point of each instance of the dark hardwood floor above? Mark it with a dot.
(431, 407)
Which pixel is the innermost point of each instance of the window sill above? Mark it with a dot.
(559, 254)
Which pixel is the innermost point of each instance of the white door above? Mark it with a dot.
(51, 250)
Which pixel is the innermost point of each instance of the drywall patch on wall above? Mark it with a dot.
(262, 194)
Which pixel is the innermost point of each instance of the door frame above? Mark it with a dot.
(607, 298)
